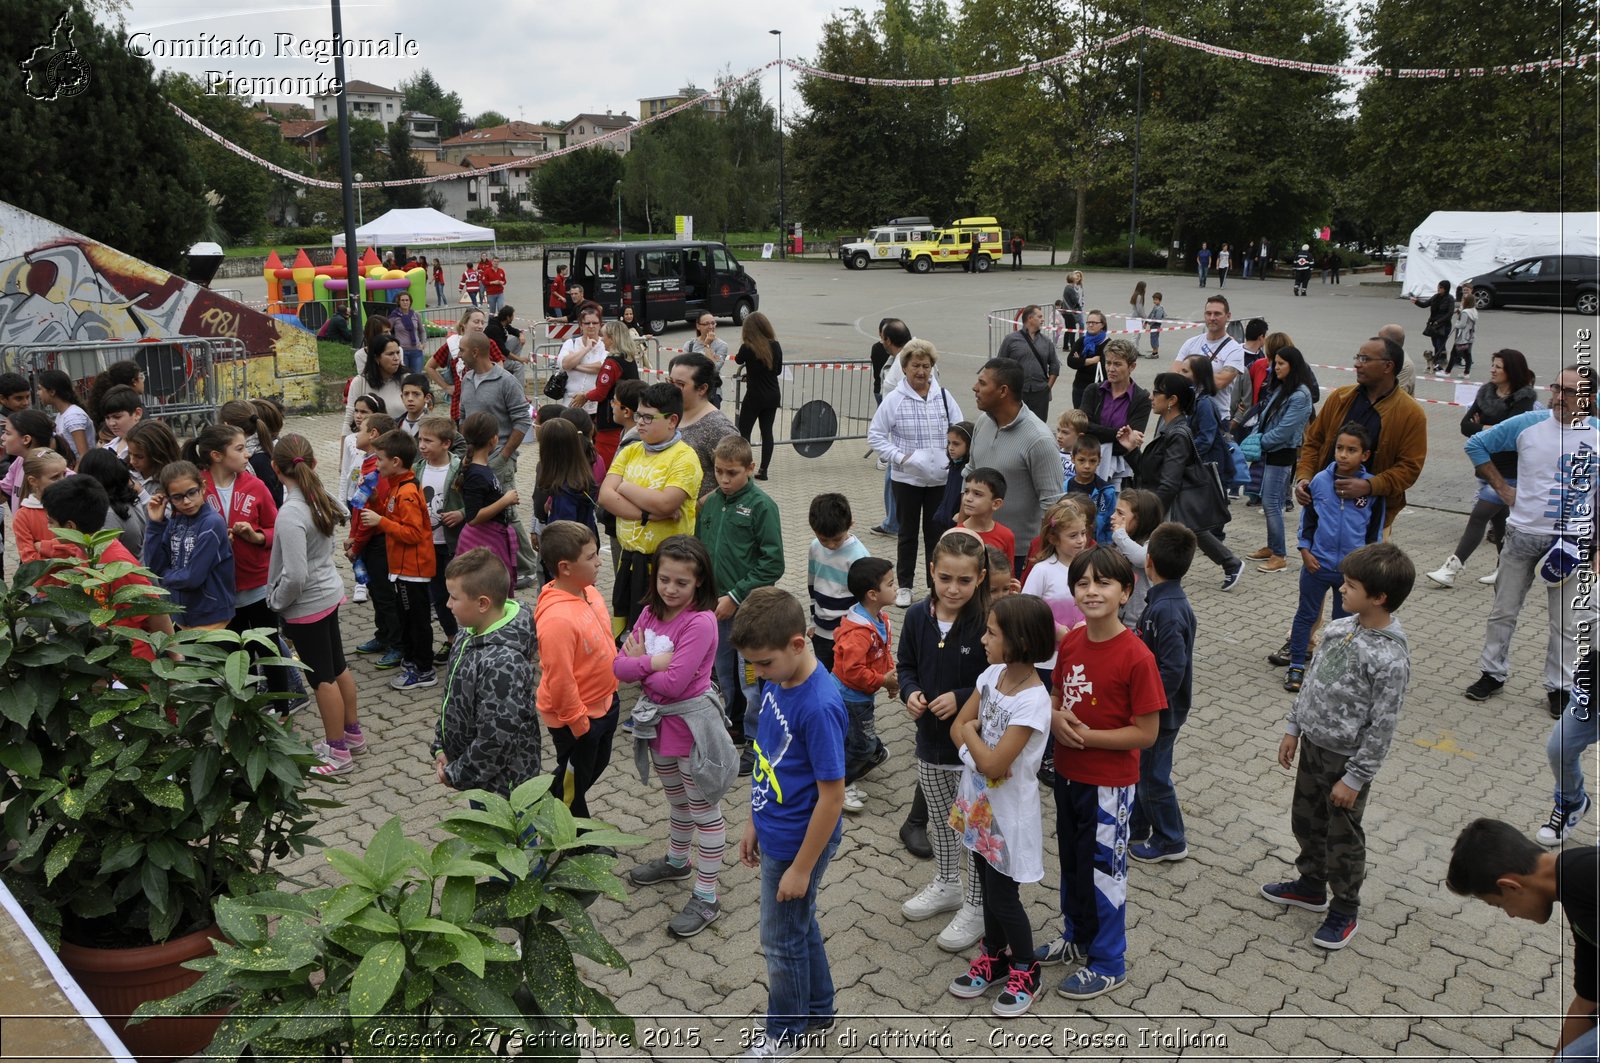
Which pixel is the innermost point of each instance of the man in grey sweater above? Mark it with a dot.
(1037, 357)
(1013, 441)
(486, 387)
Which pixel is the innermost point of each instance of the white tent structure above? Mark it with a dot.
(416, 227)
(1453, 245)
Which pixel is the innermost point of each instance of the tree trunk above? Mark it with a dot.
(1175, 258)
(1080, 210)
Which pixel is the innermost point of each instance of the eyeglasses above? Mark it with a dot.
(193, 492)
(1364, 359)
(644, 420)
(586, 324)
(1560, 390)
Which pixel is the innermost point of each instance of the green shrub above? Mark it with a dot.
(1146, 254)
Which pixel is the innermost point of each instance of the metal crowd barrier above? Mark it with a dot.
(185, 377)
(823, 402)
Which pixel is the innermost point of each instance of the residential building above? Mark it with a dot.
(586, 127)
(513, 138)
(716, 105)
(486, 191)
(425, 130)
(310, 136)
(364, 99)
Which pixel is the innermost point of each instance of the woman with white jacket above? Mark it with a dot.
(909, 432)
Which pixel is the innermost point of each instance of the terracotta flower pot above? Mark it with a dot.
(119, 980)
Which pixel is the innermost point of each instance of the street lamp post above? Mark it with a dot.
(361, 217)
(783, 233)
(343, 112)
(619, 208)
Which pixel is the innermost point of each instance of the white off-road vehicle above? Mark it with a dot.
(885, 242)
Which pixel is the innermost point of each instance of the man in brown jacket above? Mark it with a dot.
(1398, 426)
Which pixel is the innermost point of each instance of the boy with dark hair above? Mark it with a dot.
(577, 695)
(408, 548)
(121, 408)
(624, 407)
(828, 562)
(981, 499)
(1085, 480)
(416, 394)
(1495, 863)
(864, 665)
(80, 504)
(1331, 527)
(1347, 712)
(740, 529)
(796, 795)
(653, 489)
(486, 738)
(1167, 627)
(1107, 695)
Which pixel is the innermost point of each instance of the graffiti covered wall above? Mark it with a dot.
(57, 286)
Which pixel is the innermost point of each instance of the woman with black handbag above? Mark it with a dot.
(1190, 490)
(1441, 312)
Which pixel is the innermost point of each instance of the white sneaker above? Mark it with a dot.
(1445, 575)
(1490, 579)
(933, 899)
(963, 931)
(854, 800)
(1562, 824)
(360, 593)
(902, 597)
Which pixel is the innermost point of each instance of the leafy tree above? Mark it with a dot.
(112, 161)
(250, 194)
(423, 93)
(488, 120)
(861, 154)
(577, 189)
(404, 166)
(1499, 142)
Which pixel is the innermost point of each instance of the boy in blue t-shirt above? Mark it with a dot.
(796, 800)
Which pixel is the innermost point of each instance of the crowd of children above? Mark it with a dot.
(1080, 674)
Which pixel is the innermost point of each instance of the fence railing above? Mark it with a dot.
(823, 402)
(185, 377)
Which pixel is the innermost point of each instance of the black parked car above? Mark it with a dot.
(1548, 280)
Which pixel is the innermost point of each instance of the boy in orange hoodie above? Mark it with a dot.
(863, 663)
(408, 542)
(577, 697)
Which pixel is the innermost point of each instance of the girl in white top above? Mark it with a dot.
(72, 422)
(1136, 314)
(1063, 535)
(581, 357)
(1000, 737)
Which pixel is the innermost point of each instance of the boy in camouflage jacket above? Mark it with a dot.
(1346, 712)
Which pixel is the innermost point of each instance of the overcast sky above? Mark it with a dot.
(522, 60)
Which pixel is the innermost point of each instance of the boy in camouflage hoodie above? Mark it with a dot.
(1346, 711)
(488, 733)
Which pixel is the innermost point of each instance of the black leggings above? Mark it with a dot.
(910, 503)
(582, 760)
(254, 615)
(320, 647)
(439, 594)
(1483, 515)
(751, 414)
(1005, 920)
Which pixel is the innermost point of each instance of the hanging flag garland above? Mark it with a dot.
(1338, 69)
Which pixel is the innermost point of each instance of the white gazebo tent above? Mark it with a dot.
(414, 227)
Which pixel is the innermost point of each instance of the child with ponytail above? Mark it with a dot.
(35, 540)
(304, 589)
(246, 417)
(72, 421)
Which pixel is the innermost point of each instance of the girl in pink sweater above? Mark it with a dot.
(679, 724)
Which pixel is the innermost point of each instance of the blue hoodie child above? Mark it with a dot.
(194, 560)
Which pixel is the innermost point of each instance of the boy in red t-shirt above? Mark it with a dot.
(80, 504)
(1107, 696)
(981, 499)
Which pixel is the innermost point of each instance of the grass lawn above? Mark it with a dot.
(337, 360)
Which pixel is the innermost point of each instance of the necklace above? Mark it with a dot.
(1000, 685)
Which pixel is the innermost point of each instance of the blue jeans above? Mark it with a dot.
(414, 359)
(1583, 1047)
(1155, 806)
(1274, 492)
(891, 519)
(799, 984)
(861, 741)
(495, 303)
(1576, 731)
(729, 668)
(1314, 586)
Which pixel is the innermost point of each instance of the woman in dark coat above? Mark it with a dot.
(1114, 404)
(1164, 460)
(761, 357)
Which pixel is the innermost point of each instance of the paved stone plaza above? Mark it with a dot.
(1216, 971)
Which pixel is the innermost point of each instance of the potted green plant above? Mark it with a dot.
(462, 950)
(145, 777)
